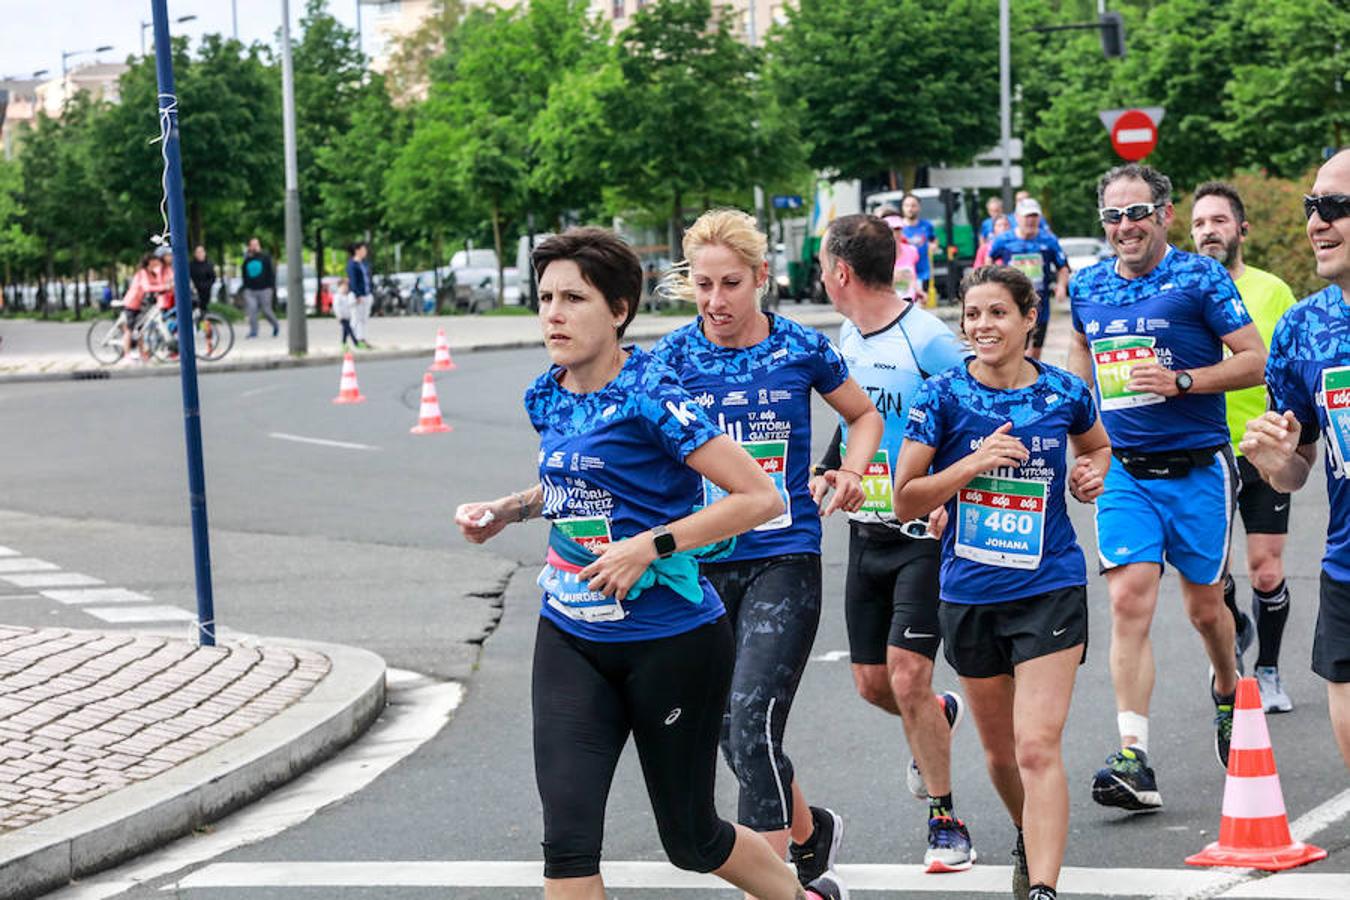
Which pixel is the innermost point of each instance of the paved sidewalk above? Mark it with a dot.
(36, 350)
(114, 742)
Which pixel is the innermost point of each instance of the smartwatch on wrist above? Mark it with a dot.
(1184, 381)
(663, 540)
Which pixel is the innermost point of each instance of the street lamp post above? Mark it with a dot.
(144, 25)
(297, 339)
(69, 54)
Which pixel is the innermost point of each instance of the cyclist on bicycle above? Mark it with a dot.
(154, 278)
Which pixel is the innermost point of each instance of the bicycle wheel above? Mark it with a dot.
(214, 336)
(156, 343)
(105, 340)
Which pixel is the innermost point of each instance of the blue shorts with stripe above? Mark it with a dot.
(1186, 521)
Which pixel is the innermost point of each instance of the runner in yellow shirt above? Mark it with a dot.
(1219, 228)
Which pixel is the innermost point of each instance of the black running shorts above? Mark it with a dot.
(1264, 509)
(1331, 635)
(987, 639)
(890, 594)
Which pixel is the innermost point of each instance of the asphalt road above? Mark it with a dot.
(357, 545)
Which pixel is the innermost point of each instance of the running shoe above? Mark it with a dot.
(954, 708)
(828, 887)
(1273, 697)
(949, 847)
(1246, 635)
(816, 857)
(1223, 730)
(1127, 782)
(1021, 878)
(1042, 892)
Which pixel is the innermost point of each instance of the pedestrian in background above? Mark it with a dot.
(343, 302)
(260, 284)
(362, 288)
(203, 276)
(922, 236)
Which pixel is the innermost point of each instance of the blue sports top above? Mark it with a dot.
(919, 234)
(1039, 258)
(762, 398)
(1308, 373)
(611, 465)
(1008, 534)
(1175, 316)
(890, 364)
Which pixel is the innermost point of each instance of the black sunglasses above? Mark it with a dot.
(1135, 212)
(1329, 206)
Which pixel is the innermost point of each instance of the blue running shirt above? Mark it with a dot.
(1008, 534)
(611, 465)
(1039, 258)
(919, 234)
(890, 365)
(1308, 373)
(1176, 316)
(762, 398)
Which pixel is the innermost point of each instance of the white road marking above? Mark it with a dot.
(1306, 826)
(22, 597)
(96, 595)
(418, 709)
(260, 390)
(663, 876)
(51, 579)
(322, 442)
(27, 564)
(123, 614)
(5, 551)
(831, 656)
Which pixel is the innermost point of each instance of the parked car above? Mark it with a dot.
(1084, 251)
(473, 274)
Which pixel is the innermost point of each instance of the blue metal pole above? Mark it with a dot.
(182, 288)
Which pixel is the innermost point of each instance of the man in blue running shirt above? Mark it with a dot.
(1150, 331)
(1308, 377)
(1037, 255)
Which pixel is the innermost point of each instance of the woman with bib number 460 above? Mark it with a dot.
(995, 434)
(631, 639)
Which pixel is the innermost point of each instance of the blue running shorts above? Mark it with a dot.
(1186, 521)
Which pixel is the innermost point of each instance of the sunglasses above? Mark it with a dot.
(1135, 212)
(1329, 206)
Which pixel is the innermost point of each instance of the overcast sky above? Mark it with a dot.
(34, 33)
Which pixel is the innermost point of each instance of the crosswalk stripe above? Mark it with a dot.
(5, 551)
(51, 580)
(27, 564)
(662, 876)
(96, 595)
(123, 614)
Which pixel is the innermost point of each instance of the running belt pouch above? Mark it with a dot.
(1175, 464)
(678, 572)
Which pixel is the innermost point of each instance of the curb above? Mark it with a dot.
(150, 813)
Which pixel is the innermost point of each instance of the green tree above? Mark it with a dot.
(353, 164)
(19, 250)
(889, 85)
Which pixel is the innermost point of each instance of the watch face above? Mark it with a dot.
(1184, 381)
(665, 543)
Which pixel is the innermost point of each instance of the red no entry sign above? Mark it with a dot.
(1134, 135)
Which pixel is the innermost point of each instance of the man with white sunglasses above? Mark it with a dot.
(1150, 330)
(1308, 376)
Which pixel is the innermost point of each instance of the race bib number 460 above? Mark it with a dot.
(1001, 522)
(772, 458)
(1336, 401)
(1113, 358)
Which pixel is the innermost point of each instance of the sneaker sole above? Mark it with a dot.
(1287, 706)
(1119, 795)
(940, 867)
(838, 882)
(835, 841)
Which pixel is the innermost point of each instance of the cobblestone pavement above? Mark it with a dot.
(83, 713)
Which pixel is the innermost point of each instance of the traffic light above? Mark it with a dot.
(1112, 26)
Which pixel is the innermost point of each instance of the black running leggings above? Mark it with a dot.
(670, 694)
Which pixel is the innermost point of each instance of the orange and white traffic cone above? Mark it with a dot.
(429, 419)
(442, 362)
(1254, 830)
(348, 390)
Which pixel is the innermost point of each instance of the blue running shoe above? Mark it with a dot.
(1127, 782)
(949, 847)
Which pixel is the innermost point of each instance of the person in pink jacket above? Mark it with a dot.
(154, 280)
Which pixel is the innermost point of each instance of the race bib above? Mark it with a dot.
(772, 458)
(1030, 265)
(1001, 522)
(564, 590)
(876, 484)
(1336, 401)
(1113, 359)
